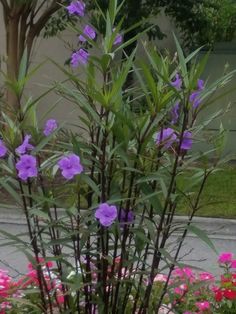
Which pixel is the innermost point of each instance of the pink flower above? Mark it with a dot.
(183, 272)
(41, 261)
(60, 296)
(160, 278)
(165, 309)
(206, 276)
(202, 306)
(225, 258)
(233, 264)
(181, 289)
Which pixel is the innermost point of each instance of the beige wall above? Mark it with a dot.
(55, 48)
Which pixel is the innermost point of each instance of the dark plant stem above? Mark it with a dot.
(157, 254)
(172, 266)
(33, 241)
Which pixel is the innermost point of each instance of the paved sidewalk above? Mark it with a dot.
(222, 233)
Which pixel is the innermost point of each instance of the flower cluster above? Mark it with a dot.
(194, 98)
(8, 289)
(200, 292)
(26, 164)
(168, 137)
(227, 288)
(81, 56)
(17, 289)
(51, 280)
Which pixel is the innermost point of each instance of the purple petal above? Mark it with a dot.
(200, 84)
(50, 126)
(166, 137)
(77, 8)
(3, 149)
(175, 113)
(177, 83)
(187, 141)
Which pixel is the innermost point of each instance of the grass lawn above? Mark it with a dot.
(221, 192)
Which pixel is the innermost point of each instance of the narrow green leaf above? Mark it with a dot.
(202, 235)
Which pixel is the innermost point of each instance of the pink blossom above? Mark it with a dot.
(206, 276)
(183, 272)
(160, 278)
(181, 289)
(225, 258)
(202, 306)
(233, 264)
(41, 261)
(165, 309)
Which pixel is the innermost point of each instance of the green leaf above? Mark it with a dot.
(85, 178)
(10, 190)
(202, 235)
(182, 61)
(152, 197)
(140, 239)
(23, 66)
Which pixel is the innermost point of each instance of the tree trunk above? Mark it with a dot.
(12, 28)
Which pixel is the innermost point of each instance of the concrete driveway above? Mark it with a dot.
(221, 232)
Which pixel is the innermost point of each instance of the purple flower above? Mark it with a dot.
(166, 137)
(25, 146)
(79, 57)
(177, 83)
(27, 167)
(3, 149)
(126, 217)
(194, 99)
(50, 126)
(200, 84)
(88, 32)
(106, 214)
(118, 39)
(70, 166)
(76, 7)
(175, 113)
(187, 141)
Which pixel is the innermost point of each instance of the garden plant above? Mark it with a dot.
(100, 202)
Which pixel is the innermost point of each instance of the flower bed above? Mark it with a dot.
(189, 291)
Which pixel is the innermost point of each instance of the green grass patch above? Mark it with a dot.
(219, 196)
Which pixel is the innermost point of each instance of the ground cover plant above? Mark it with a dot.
(100, 202)
(189, 291)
